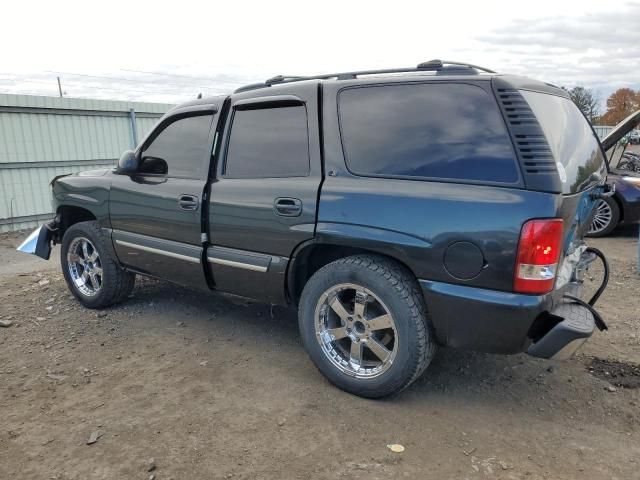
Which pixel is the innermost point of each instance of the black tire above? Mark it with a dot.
(116, 283)
(399, 291)
(613, 223)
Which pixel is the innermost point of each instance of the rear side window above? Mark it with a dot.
(268, 142)
(180, 150)
(573, 143)
(443, 131)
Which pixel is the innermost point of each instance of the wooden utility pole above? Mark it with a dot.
(59, 87)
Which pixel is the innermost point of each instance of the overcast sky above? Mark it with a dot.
(168, 51)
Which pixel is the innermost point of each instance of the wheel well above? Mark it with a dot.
(313, 257)
(69, 215)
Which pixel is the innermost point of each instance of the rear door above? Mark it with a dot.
(156, 212)
(264, 199)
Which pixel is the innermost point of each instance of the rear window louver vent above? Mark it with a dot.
(536, 159)
(535, 153)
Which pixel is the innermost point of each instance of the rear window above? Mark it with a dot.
(441, 131)
(573, 143)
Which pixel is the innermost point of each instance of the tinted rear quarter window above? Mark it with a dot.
(440, 131)
(268, 142)
(573, 143)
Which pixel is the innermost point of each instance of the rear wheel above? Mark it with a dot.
(605, 218)
(90, 268)
(362, 321)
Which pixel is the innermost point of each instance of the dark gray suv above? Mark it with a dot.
(396, 209)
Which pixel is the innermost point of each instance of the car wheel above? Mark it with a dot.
(605, 218)
(363, 322)
(90, 268)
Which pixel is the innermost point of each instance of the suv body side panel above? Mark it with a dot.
(434, 216)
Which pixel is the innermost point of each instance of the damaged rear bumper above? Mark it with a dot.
(554, 325)
(572, 320)
(39, 241)
(567, 336)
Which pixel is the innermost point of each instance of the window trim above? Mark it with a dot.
(270, 101)
(163, 125)
(262, 106)
(518, 183)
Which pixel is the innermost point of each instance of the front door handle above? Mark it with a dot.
(188, 202)
(287, 207)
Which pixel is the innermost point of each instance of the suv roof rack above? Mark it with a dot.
(431, 65)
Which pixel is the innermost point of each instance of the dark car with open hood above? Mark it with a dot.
(397, 210)
(623, 207)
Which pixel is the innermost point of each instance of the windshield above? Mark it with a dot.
(573, 143)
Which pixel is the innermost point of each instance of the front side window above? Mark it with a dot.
(268, 142)
(180, 150)
(439, 130)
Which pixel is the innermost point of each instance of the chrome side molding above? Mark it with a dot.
(158, 251)
(244, 259)
(232, 263)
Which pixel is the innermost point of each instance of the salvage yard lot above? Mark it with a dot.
(218, 387)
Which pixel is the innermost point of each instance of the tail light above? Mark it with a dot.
(538, 255)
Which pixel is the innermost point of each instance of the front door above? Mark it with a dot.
(263, 202)
(156, 213)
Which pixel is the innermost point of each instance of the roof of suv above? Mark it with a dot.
(438, 70)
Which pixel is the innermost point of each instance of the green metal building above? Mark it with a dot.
(41, 137)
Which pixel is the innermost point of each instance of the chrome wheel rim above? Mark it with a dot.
(356, 331)
(602, 218)
(85, 266)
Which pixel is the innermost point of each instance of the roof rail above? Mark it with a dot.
(431, 65)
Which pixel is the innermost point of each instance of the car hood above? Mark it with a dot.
(100, 172)
(620, 130)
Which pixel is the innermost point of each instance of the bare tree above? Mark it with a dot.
(586, 101)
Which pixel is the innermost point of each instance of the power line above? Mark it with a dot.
(126, 79)
(183, 76)
(100, 87)
(47, 84)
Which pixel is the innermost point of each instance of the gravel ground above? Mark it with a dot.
(215, 387)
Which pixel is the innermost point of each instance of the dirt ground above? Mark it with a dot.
(212, 387)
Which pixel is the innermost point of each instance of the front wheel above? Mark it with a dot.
(605, 218)
(362, 320)
(90, 268)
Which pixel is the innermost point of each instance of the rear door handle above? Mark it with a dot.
(188, 202)
(287, 207)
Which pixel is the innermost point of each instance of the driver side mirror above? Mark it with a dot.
(128, 163)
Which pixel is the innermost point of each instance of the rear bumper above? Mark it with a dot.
(502, 322)
(562, 341)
